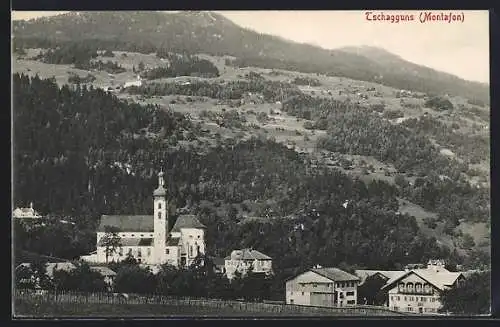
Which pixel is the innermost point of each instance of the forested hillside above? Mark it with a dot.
(206, 32)
(82, 152)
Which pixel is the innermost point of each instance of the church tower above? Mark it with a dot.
(160, 221)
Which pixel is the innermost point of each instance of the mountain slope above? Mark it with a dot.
(214, 34)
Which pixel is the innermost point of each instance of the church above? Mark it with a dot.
(148, 238)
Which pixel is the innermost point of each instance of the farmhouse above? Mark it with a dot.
(330, 287)
(419, 290)
(137, 82)
(243, 260)
(26, 213)
(149, 239)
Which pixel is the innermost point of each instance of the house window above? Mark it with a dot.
(190, 250)
(396, 308)
(350, 293)
(120, 252)
(409, 287)
(159, 205)
(401, 287)
(139, 253)
(418, 287)
(405, 298)
(422, 299)
(167, 251)
(142, 235)
(159, 215)
(350, 302)
(398, 298)
(132, 235)
(149, 252)
(130, 252)
(198, 236)
(315, 285)
(392, 298)
(302, 293)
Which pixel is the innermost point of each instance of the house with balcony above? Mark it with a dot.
(419, 290)
(327, 287)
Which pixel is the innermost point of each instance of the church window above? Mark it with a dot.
(159, 215)
(159, 205)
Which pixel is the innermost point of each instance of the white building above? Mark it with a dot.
(28, 213)
(328, 287)
(419, 290)
(246, 259)
(148, 238)
(137, 82)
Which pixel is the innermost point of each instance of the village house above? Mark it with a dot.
(329, 287)
(26, 213)
(148, 238)
(137, 82)
(51, 267)
(243, 260)
(419, 290)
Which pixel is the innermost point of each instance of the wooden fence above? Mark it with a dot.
(208, 305)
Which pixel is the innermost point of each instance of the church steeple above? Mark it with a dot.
(160, 212)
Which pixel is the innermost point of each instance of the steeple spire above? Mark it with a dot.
(160, 178)
(160, 190)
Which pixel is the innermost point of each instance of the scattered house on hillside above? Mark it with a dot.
(246, 259)
(328, 287)
(26, 213)
(149, 239)
(419, 290)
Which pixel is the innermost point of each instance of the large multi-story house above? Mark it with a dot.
(329, 287)
(419, 290)
(243, 260)
(148, 238)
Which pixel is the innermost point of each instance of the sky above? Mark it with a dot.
(446, 46)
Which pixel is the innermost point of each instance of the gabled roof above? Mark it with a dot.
(104, 271)
(249, 254)
(439, 279)
(131, 241)
(186, 221)
(127, 223)
(335, 274)
(364, 274)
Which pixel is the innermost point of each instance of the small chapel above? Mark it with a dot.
(148, 238)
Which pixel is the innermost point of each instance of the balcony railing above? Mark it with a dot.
(414, 291)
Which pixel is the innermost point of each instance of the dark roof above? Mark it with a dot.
(160, 191)
(132, 241)
(173, 241)
(335, 274)
(127, 223)
(218, 261)
(187, 221)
